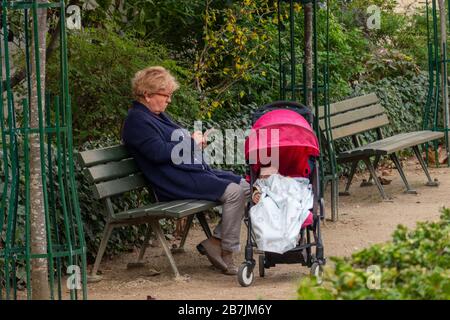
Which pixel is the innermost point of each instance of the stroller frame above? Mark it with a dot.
(303, 252)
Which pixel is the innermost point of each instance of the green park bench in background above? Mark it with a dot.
(352, 117)
(113, 172)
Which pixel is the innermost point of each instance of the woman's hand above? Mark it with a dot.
(199, 139)
(202, 139)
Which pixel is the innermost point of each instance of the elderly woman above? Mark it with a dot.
(147, 134)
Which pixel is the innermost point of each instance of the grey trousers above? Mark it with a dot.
(234, 200)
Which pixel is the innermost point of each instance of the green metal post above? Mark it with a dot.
(322, 90)
(63, 226)
(436, 116)
(292, 48)
(280, 49)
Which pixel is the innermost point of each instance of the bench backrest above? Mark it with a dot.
(355, 115)
(111, 170)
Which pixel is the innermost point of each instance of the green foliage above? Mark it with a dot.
(414, 265)
(411, 39)
(403, 98)
(239, 63)
(349, 50)
(386, 63)
(397, 48)
(176, 24)
(236, 41)
(101, 67)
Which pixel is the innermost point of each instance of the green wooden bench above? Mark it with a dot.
(352, 117)
(113, 172)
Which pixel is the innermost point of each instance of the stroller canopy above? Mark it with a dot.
(286, 132)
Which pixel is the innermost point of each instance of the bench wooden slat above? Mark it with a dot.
(350, 104)
(359, 127)
(158, 209)
(164, 206)
(94, 157)
(191, 207)
(395, 143)
(114, 187)
(172, 209)
(412, 141)
(112, 170)
(354, 116)
(391, 141)
(151, 210)
(371, 149)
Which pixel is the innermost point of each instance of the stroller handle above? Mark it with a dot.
(301, 109)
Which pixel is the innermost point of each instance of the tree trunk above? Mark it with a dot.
(39, 267)
(444, 81)
(309, 53)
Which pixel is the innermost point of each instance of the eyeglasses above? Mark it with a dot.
(168, 96)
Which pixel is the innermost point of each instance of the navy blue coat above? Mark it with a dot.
(147, 137)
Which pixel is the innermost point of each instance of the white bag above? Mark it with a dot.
(283, 207)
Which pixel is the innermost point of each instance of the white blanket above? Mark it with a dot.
(278, 216)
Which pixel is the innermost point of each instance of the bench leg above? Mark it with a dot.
(101, 250)
(154, 224)
(377, 182)
(186, 231)
(201, 218)
(430, 182)
(398, 165)
(350, 179)
(145, 244)
(375, 166)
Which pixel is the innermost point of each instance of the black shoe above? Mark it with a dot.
(201, 249)
(213, 252)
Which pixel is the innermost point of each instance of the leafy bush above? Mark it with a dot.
(240, 61)
(101, 67)
(386, 63)
(414, 265)
(403, 98)
(176, 24)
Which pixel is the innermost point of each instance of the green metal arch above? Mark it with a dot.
(64, 229)
(320, 91)
(436, 115)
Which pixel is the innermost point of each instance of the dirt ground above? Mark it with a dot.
(364, 220)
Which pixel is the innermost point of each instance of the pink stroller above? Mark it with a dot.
(298, 150)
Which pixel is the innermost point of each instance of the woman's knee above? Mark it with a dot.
(234, 193)
(246, 188)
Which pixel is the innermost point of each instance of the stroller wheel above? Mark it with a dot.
(245, 275)
(261, 265)
(317, 272)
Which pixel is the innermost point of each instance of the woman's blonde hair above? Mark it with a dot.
(152, 80)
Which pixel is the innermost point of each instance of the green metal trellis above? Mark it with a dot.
(290, 88)
(436, 113)
(66, 250)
